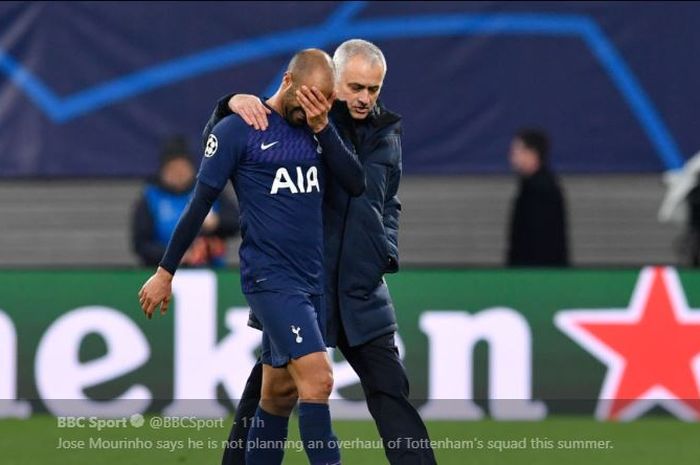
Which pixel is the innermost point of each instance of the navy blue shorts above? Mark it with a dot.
(293, 324)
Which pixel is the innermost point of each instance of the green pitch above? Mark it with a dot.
(556, 441)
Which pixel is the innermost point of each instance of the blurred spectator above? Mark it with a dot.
(694, 223)
(158, 210)
(538, 235)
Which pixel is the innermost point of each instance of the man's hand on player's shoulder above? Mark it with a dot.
(156, 292)
(316, 107)
(251, 109)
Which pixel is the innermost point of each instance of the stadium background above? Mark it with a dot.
(89, 90)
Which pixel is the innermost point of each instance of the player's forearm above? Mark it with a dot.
(341, 161)
(188, 226)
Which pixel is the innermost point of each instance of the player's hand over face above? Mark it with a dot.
(316, 107)
(251, 109)
(156, 292)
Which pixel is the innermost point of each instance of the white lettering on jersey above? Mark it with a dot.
(300, 179)
(304, 184)
(312, 179)
(283, 181)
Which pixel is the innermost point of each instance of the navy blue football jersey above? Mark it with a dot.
(278, 178)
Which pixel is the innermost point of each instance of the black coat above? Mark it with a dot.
(694, 208)
(361, 233)
(538, 235)
(693, 200)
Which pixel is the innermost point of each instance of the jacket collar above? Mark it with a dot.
(379, 117)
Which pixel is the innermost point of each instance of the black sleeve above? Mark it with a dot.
(228, 217)
(693, 200)
(390, 218)
(143, 235)
(561, 241)
(341, 161)
(189, 225)
(221, 110)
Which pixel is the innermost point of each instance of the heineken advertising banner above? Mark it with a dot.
(504, 344)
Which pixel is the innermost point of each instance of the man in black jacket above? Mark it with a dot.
(361, 245)
(693, 200)
(538, 235)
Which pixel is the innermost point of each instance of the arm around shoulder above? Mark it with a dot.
(221, 110)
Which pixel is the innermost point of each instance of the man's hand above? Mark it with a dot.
(156, 292)
(251, 109)
(316, 107)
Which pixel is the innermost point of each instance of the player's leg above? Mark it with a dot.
(311, 369)
(279, 393)
(296, 342)
(385, 384)
(309, 363)
(313, 377)
(234, 452)
(268, 428)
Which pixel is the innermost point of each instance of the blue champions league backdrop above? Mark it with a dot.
(90, 89)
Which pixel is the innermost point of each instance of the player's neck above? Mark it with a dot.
(275, 102)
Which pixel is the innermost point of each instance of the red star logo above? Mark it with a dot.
(652, 349)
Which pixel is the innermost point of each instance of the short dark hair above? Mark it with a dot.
(536, 140)
(174, 148)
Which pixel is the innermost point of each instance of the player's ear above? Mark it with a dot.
(287, 82)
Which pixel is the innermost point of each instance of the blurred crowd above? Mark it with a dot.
(537, 227)
(163, 200)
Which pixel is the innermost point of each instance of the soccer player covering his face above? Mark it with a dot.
(279, 176)
(361, 245)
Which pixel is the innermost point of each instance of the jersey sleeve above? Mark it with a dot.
(342, 161)
(223, 151)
